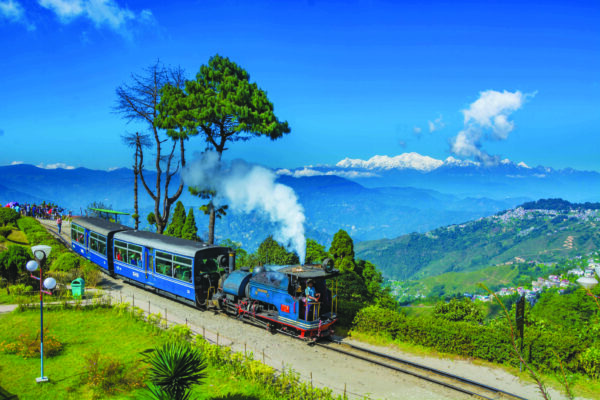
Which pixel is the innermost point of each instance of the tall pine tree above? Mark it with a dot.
(190, 230)
(177, 222)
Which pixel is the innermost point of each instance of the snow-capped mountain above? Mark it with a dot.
(462, 177)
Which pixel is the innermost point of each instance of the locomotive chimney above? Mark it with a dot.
(231, 261)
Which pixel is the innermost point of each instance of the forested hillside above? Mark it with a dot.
(517, 235)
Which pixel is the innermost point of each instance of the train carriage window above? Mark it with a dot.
(98, 243)
(134, 255)
(78, 234)
(120, 250)
(182, 269)
(164, 263)
(174, 266)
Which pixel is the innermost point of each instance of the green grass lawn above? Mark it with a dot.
(17, 237)
(82, 332)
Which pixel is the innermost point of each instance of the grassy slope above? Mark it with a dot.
(82, 332)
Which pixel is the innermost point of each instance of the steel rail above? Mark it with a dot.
(430, 370)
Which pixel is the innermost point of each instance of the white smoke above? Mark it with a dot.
(245, 187)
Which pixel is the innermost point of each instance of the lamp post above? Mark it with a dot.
(41, 253)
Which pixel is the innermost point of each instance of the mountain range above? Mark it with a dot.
(373, 200)
(463, 178)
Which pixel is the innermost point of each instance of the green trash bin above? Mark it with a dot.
(78, 287)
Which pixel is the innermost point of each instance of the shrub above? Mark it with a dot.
(12, 262)
(8, 216)
(488, 342)
(590, 362)
(20, 289)
(5, 231)
(91, 273)
(105, 375)
(179, 333)
(66, 262)
(375, 320)
(27, 345)
(459, 310)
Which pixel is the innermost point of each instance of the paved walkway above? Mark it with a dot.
(5, 308)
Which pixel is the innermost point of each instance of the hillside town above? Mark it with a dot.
(560, 282)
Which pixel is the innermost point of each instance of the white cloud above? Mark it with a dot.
(417, 130)
(523, 165)
(101, 12)
(402, 161)
(436, 124)
(13, 11)
(487, 118)
(55, 166)
(16, 162)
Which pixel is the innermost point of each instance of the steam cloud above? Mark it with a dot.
(487, 119)
(245, 187)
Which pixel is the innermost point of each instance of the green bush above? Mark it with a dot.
(459, 310)
(35, 238)
(8, 216)
(488, 342)
(590, 362)
(20, 289)
(375, 320)
(105, 375)
(66, 262)
(5, 231)
(90, 272)
(12, 262)
(27, 345)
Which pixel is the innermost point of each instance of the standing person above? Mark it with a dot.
(310, 291)
(59, 223)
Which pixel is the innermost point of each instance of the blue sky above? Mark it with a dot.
(352, 78)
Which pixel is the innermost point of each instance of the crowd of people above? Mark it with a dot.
(41, 211)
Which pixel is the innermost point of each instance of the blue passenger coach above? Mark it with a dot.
(92, 239)
(186, 270)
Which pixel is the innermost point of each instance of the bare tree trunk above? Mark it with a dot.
(136, 213)
(211, 224)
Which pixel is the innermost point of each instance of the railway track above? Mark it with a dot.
(450, 381)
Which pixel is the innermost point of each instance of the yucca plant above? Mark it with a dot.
(174, 369)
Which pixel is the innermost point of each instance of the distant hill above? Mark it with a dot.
(517, 235)
(330, 203)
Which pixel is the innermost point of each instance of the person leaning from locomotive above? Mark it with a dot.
(310, 291)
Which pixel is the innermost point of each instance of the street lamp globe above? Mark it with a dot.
(31, 265)
(50, 283)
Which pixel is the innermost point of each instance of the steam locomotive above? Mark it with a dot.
(205, 276)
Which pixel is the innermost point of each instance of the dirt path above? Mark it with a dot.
(327, 369)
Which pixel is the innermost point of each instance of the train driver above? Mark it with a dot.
(310, 291)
